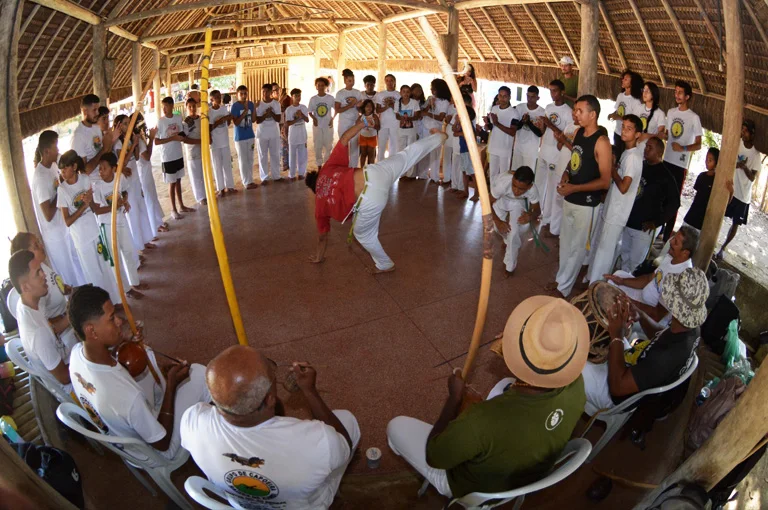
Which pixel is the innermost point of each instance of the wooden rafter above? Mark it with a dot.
(612, 34)
(686, 46)
(301, 35)
(29, 19)
(562, 33)
(471, 42)
(600, 54)
(483, 36)
(541, 32)
(473, 4)
(710, 26)
(755, 20)
(498, 34)
(40, 33)
(420, 40)
(52, 63)
(519, 32)
(412, 40)
(60, 68)
(648, 41)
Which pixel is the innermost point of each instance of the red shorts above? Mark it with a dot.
(367, 141)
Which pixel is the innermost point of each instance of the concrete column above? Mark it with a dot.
(590, 13)
(11, 149)
(136, 84)
(99, 44)
(450, 41)
(382, 54)
(156, 82)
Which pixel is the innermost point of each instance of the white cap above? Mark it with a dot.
(566, 61)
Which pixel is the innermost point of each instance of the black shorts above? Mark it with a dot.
(737, 211)
(171, 167)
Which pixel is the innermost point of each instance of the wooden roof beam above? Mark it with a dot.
(600, 53)
(253, 44)
(562, 33)
(648, 41)
(522, 37)
(303, 35)
(612, 34)
(686, 46)
(483, 36)
(473, 4)
(541, 32)
(498, 34)
(755, 20)
(471, 43)
(39, 59)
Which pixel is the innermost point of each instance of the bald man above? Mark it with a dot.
(261, 458)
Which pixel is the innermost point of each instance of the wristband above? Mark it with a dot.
(617, 339)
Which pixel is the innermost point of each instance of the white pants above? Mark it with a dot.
(196, 179)
(547, 179)
(297, 159)
(380, 178)
(448, 162)
(96, 270)
(525, 156)
(387, 141)
(244, 150)
(513, 239)
(190, 392)
(221, 157)
(457, 175)
(498, 165)
(647, 294)
(268, 149)
(635, 245)
(605, 251)
(596, 387)
(323, 140)
(63, 259)
(354, 143)
(138, 220)
(404, 139)
(577, 226)
(129, 260)
(151, 202)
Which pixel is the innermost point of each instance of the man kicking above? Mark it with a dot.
(342, 191)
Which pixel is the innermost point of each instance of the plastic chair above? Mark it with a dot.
(15, 351)
(195, 485)
(155, 465)
(573, 456)
(12, 300)
(615, 417)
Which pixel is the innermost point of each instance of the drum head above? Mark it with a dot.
(602, 296)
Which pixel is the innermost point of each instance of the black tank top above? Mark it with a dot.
(584, 168)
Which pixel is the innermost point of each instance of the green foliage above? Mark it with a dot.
(711, 139)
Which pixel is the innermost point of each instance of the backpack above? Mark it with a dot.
(708, 416)
(722, 283)
(56, 467)
(715, 327)
(681, 496)
(9, 322)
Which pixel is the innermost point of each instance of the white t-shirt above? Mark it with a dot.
(55, 302)
(192, 128)
(562, 117)
(742, 186)
(652, 291)
(321, 109)
(348, 117)
(387, 117)
(625, 105)
(269, 127)
(166, 128)
(658, 120)
(102, 195)
(283, 463)
(116, 402)
(409, 109)
(500, 143)
(441, 106)
(85, 228)
(87, 142)
(297, 133)
(527, 142)
(219, 134)
(565, 152)
(45, 182)
(507, 206)
(44, 349)
(617, 205)
(682, 127)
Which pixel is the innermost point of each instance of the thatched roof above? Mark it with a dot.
(517, 42)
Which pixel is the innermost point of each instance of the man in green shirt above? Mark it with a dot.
(514, 436)
(570, 79)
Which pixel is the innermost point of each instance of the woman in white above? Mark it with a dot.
(148, 187)
(75, 199)
(296, 118)
(654, 119)
(434, 114)
(406, 112)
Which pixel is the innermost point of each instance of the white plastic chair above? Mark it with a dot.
(615, 417)
(12, 300)
(573, 456)
(155, 465)
(16, 354)
(195, 485)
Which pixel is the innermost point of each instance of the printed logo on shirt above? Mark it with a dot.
(78, 201)
(250, 485)
(108, 198)
(644, 120)
(554, 419)
(576, 157)
(678, 128)
(640, 188)
(554, 118)
(95, 418)
(90, 388)
(322, 110)
(59, 282)
(97, 143)
(190, 122)
(254, 462)
(621, 109)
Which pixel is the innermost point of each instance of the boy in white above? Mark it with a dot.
(170, 135)
(628, 101)
(528, 134)
(221, 157)
(243, 112)
(345, 106)
(504, 118)
(45, 184)
(88, 140)
(191, 127)
(515, 206)
(322, 131)
(103, 196)
(267, 119)
(296, 117)
(146, 407)
(43, 348)
(558, 116)
(390, 126)
(625, 178)
(406, 111)
(552, 214)
(261, 458)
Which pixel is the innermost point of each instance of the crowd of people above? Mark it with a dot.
(553, 167)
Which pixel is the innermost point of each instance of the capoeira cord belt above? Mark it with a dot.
(355, 208)
(536, 239)
(102, 246)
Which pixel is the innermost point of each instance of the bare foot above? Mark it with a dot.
(474, 198)
(184, 208)
(376, 270)
(134, 294)
(204, 201)
(550, 286)
(141, 286)
(464, 195)
(507, 274)
(231, 190)
(142, 259)
(150, 246)
(252, 185)
(176, 216)
(301, 177)
(263, 183)
(155, 239)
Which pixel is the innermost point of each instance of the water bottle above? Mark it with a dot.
(8, 427)
(703, 395)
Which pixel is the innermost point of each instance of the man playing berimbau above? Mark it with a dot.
(342, 191)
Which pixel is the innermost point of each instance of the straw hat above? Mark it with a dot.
(684, 295)
(546, 342)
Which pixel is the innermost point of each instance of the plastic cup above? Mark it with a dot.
(373, 455)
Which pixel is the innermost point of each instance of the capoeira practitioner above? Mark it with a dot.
(558, 116)
(221, 156)
(528, 133)
(588, 175)
(342, 191)
(504, 118)
(192, 132)
(515, 205)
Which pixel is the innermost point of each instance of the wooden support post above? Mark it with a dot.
(729, 150)
(382, 69)
(191, 77)
(341, 60)
(99, 54)
(589, 47)
(11, 149)
(156, 82)
(316, 52)
(168, 75)
(450, 41)
(136, 73)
